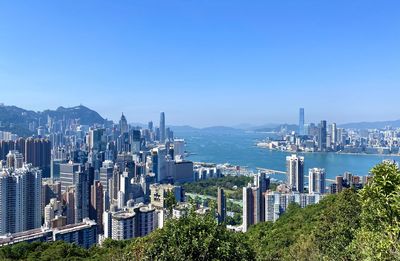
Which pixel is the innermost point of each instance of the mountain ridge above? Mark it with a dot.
(17, 120)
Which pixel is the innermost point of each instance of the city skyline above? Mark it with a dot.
(244, 125)
(201, 64)
(199, 130)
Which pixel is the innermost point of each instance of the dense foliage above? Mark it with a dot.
(352, 225)
(379, 236)
(209, 187)
(319, 231)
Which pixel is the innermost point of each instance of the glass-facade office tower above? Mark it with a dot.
(162, 127)
(301, 122)
(322, 136)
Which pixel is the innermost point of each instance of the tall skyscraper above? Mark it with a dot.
(5, 147)
(334, 138)
(69, 199)
(67, 174)
(179, 148)
(295, 172)
(106, 174)
(316, 181)
(322, 136)
(82, 196)
(20, 145)
(221, 205)
(135, 141)
(301, 122)
(20, 199)
(262, 182)
(95, 140)
(159, 163)
(150, 126)
(162, 127)
(50, 189)
(251, 203)
(15, 159)
(339, 184)
(38, 152)
(96, 205)
(114, 186)
(123, 124)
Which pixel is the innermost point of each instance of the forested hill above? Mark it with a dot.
(352, 225)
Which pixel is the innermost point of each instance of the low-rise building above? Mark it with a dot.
(83, 234)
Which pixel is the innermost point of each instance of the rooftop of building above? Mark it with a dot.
(38, 232)
(123, 214)
(165, 186)
(86, 223)
(147, 209)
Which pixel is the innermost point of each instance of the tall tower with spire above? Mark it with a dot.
(123, 124)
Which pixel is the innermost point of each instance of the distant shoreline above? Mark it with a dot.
(335, 152)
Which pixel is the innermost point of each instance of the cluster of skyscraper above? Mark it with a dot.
(310, 137)
(260, 204)
(85, 183)
(327, 138)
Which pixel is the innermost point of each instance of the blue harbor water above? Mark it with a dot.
(239, 148)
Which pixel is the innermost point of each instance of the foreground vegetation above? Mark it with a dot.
(209, 187)
(352, 225)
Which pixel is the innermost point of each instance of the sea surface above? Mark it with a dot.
(239, 148)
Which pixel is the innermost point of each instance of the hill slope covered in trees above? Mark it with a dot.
(352, 225)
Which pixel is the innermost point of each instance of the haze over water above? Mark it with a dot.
(238, 148)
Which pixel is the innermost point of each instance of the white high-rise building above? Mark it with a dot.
(179, 148)
(20, 199)
(295, 172)
(135, 221)
(68, 172)
(334, 135)
(276, 203)
(316, 180)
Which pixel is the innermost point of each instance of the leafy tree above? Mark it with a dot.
(320, 231)
(170, 202)
(304, 249)
(337, 225)
(379, 237)
(196, 237)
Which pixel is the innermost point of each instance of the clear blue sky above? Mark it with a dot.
(204, 62)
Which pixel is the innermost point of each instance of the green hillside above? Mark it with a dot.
(352, 225)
